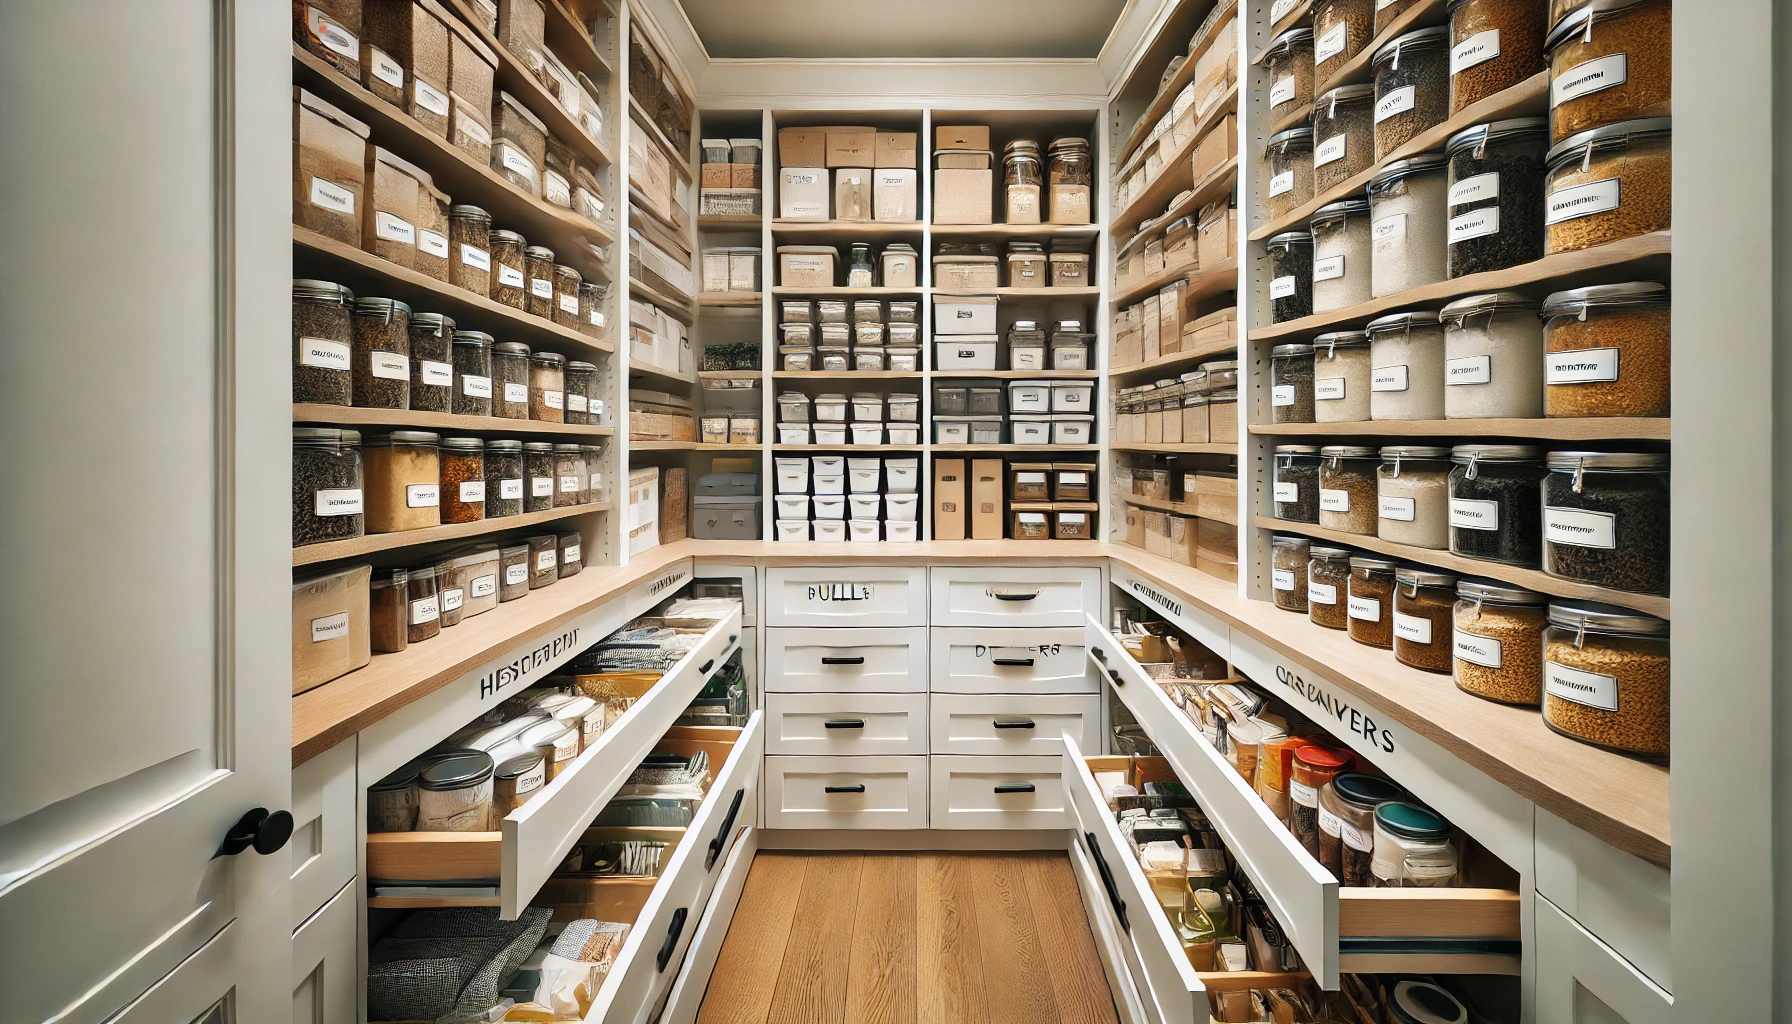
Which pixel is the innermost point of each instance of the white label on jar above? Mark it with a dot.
(1069, 479)
(552, 399)
(509, 277)
(597, 318)
(1468, 514)
(1397, 102)
(1328, 389)
(329, 627)
(1580, 529)
(1389, 232)
(1329, 823)
(541, 288)
(1476, 49)
(483, 586)
(424, 610)
(1382, 5)
(569, 554)
(1281, 394)
(516, 394)
(544, 560)
(432, 243)
(542, 486)
(1475, 224)
(1478, 650)
(1329, 269)
(1322, 593)
(1412, 628)
(1287, 493)
(1279, 10)
(422, 496)
(512, 160)
(567, 746)
(470, 126)
(476, 387)
(1333, 501)
(1366, 608)
(1303, 794)
(385, 68)
(1475, 189)
(1280, 183)
(569, 304)
(331, 355)
(1283, 578)
(575, 402)
(1398, 509)
(1469, 370)
(342, 502)
(430, 98)
(533, 779)
(333, 36)
(1388, 378)
(515, 574)
(1583, 200)
(569, 484)
(1358, 838)
(1592, 76)
(1281, 288)
(510, 490)
(1329, 45)
(395, 229)
(1581, 366)
(391, 366)
(332, 196)
(1023, 199)
(474, 257)
(436, 374)
(1330, 150)
(1282, 92)
(452, 599)
(472, 490)
(1589, 688)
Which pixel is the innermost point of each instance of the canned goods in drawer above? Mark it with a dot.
(846, 596)
(1010, 661)
(1015, 596)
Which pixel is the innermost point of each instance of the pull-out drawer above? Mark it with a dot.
(846, 723)
(1010, 661)
(997, 596)
(846, 792)
(814, 660)
(997, 792)
(856, 595)
(535, 837)
(1011, 724)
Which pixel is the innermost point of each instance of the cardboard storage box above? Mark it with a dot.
(1149, 326)
(414, 37)
(1219, 145)
(894, 150)
(960, 136)
(1216, 549)
(948, 499)
(392, 207)
(894, 194)
(963, 196)
(806, 266)
(986, 499)
(743, 175)
(1169, 317)
(1214, 494)
(803, 193)
(851, 146)
(1217, 233)
(717, 176)
(329, 171)
(802, 147)
(643, 512)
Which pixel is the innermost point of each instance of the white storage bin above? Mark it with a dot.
(830, 506)
(862, 475)
(902, 507)
(951, 431)
(867, 433)
(986, 430)
(792, 475)
(828, 465)
(864, 506)
(1029, 396)
(901, 533)
(1035, 429)
(867, 407)
(830, 433)
(793, 529)
(903, 358)
(793, 407)
(971, 352)
(904, 475)
(862, 531)
(904, 408)
(1070, 429)
(793, 506)
(793, 433)
(905, 433)
(1072, 396)
(830, 529)
(966, 314)
(830, 483)
(830, 408)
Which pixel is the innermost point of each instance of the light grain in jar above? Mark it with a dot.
(1342, 373)
(1409, 224)
(510, 380)
(1343, 273)
(1407, 358)
(1607, 351)
(1347, 499)
(1493, 357)
(469, 249)
(403, 481)
(1288, 157)
(547, 387)
(1610, 61)
(1413, 496)
(1605, 677)
(1291, 383)
(1289, 571)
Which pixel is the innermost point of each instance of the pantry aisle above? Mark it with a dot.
(878, 938)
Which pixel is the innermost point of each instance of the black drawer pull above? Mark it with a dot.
(721, 839)
(1114, 674)
(673, 931)
(858, 787)
(1107, 881)
(1098, 654)
(1016, 597)
(844, 723)
(1014, 723)
(860, 660)
(1015, 787)
(732, 637)
(1015, 662)
(707, 665)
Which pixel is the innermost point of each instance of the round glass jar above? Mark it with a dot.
(392, 801)
(469, 245)
(547, 387)
(1296, 484)
(592, 297)
(1341, 28)
(1288, 65)
(1499, 642)
(1070, 175)
(1343, 135)
(538, 476)
(569, 471)
(1496, 492)
(463, 480)
(327, 501)
(423, 607)
(1493, 357)
(1406, 352)
(1494, 45)
(580, 380)
(1347, 824)
(596, 488)
(544, 560)
(1290, 276)
(382, 353)
(1291, 382)
(1342, 264)
(513, 572)
(322, 338)
(1412, 87)
(1314, 766)
(1605, 677)
(403, 474)
(1347, 501)
(1289, 183)
(1341, 376)
(1403, 829)
(388, 607)
(1288, 571)
(509, 270)
(1409, 226)
(503, 478)
(455, 794)
(1496, 195)
(1606, 351)
(538, 270)
(566, 296)
(1328, 587)
(1023, 179)
(472, 373)
(510, 380)
(1371, 601)
(432, 362)
(1605, 519)
(1609, 184)
(1413, 496)
(1610, 61)
(1424, 617)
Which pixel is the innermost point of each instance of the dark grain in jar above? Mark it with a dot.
(382, 352)
(423, 609)
(538, 270)
(1345, 116)
(510, 380)
(1515, 155)
(432, 363)
(1636, 502)
(504, 481)
(538, 476)
(1372, 580)
(326, 473)
(469, 249)
(509, 283)
(322, 340)
(472, 374)
(1298, 465)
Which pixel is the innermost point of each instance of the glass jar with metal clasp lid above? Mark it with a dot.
(1342, 376)
(1023, 181)
(1498, 637)
(1424, 609)
(1606, 677)
(1295, 483)
(1493, 357)
(1291, 383)
(1605, 519)
(1496, 491)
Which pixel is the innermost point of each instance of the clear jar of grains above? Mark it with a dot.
(1290, 276)
(463, 480)
(470, 257)
(1605, 677)
(510, 380)
(1409, 225)
(1412, 87)
(1606, 351)
(321, 341)
(503, 478)
(1341, 376)
(1610, 61)
(1289, 181)
(1406, 351)
(1496, 492)
(1371, 601)
(1328, 586)
(509, 286)
(1288, 65)
(1343, 135)
(1496, 195)
(1341, 28)
(1413, 496)
(382, 354)
(1347, 500)
(547, 387)
(1494, 45)
(1291, 383)
(1296, 484)
(1608, 184)
(432, 362)
(1288, 572)
(1605, 520)
(1493, 357)
(538, 476)
(538, 268)
(569, 471)
(1342, 255)
(1499, 642)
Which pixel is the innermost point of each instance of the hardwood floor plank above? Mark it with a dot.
(949, 965)
(1014, 970)
(746, 973)
(1078, 982)
(880, 982)
(812, 981)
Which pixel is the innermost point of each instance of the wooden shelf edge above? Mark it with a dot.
(1191, 448)
(1175, 359)
(374, 543)
(344, 415)
(1578, 429)
(1230, 517)
(1201, 282)
(742, 300)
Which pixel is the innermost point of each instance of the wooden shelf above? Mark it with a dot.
(659, 373)
(1218, 183)
(1174, 363)
(1015, 374)
(1645, 256)
(689, 446)
(730, 374)
(848, 228)
(361, 547)
(1165, 99)
(513, 77)
(1015, 230)
(680, 308)
(572, 43)
(1178, 172)
(838, 292)
(736, 300)
(681, 161)
(1179, 448)
(846, 374)
(406, 419)
(1016, 449)
(1203, 283)
(1359, 68)
(730, 221)
(671, 223)
(1296, 14)
(1578, 429)
(1042, 294)
(1532, 579)
(1184, 508)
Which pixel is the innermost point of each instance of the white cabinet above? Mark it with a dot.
(846, 723)
(1619, 898)
(846, 660)
(1013, 724)
(1014, 596)
(323, 964)
(325, 828)
(846, 792)
(1010, 661)
(860, 595)
(1581, 980)
(997, 792)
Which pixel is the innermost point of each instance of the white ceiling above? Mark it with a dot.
(903, 28)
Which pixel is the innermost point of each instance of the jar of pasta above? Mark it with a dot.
(1606, 351)
(1610, 61)
(1608, 184)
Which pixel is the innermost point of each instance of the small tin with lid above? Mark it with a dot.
(1493, 357)
(514, 782)
(1605, 677)
(1342, 376)
(1498, 638)
(455, 794)
(1605, 519)
(1406, 352)
(1606, 351)
(1424, 608)
(1496, 491)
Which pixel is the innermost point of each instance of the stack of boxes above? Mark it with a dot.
(963, 175)
(1206, 540)
(1214, 73)
(839, 419)
(847, 173)
(847, 498)
(731, 269)
(729, 178)
(879, 336)
(727, 503)
(1048, 500)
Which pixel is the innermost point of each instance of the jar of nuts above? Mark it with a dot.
(1605, 677)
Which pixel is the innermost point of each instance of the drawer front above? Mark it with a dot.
(864, 595)
(997, 792)
(839, 723)
(1010, 661)
(1581, 980)
(846, 792)
(1112, 945)
(686, 997)
(1619, 898)
(846, 660)
(323, 963)
(1013, 724)
(995, 596)
(325, 826)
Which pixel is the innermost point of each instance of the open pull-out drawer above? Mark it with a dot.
(1334, 928)
(535, 838)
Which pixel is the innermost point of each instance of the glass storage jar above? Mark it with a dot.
(403, 481)
(1290, 276)
(432, 362)
(327, 501)
(1605, 677)
(538, 476)
(322, 338)
(1314, 766)
(580, 381)
(547, 387)
(1413, 496)
(463, 479)
(570, 474)
(1424, 616)
(1496, 195)
(388, 609)
(1412, 87)
(1343, 135)
(544, 560)
(1496, 493)
(1341, 28)
(1291, 382)
(1403, 829)
(503, 478)
(1493, 357)
(382, 353)
(1606, 351)
(566, 296)
(1371, 601)
(1288, 66)
(597, 488)
(1608, 184)
(1605, 519)
(1022, 181)
(1288, 571)
(1328, 587)
(1347, 824)
(1409, 227)
(1071, 176)
(510, 380)
(538, 268)
(571, 555)
(392, 801)
(1610, 61)
(1288, 157)
(1499, 642)
(472, 373)
(469, 241)
(592, 319)
(859, 269)
(1341, 376)
(455, 794)
(1296, 485)
(451, 590)
(509, 269)
(1342, 247)
(515, 781)
(1494, 45)
(513, 572)
(1347, 501)
(423, 608)
(1406, 352)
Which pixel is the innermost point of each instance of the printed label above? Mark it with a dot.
(1580, 529)
(1398, 509)
(395, 229)
(1322, 593)
(391, 366)
(1281, 288)
(1329, 45)
(1358, 838)
(432, 243)
(476, 387)
(567, 746)
(1587, 688)
(1282, 578)
(1478, 650)
(330, 627)
(385, 68)
(1065, 479)
(516, 162)
(1303, 794)
(510, 490)
(1329, 823)
(515, 574)
(330, 355)
(333, 36)
(551, 399)
(1281, 394)
(1468, 514)
(1476, 189)
(533, 779)
(569, 484)
(1583, 200)
(1282, 92)
(541, 288)
(472, 490)
(509, 277)
(575, 402)
(1330, 150)
(544, 560)
(1279, 10)
(344, 502)
(476, 258)
(1475, 224)
(483, 586)
(1388, 232)
(424, 609)
(569, 554)
(1328, 389)
(569, 304)
(452, 599)
(1476, 49)
(1584, 366)
(1388, 378)
(516, 394)
(1469, 370)
(1329, 269)
(1397, 102)
(332, 196)
(1592, 76)
(435, 374)
(1333, 501)
(542, 486)
(1412, 628)
(1367, 609)
(1023, 199)
(422, 495)
(429, 97)
(1280, 183)
(1287, 493)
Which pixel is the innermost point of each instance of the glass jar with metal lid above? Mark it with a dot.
(1371, 601)
(1288, 182)
(580, 381)
(597, 488)
(1608, 184)
(572, 480)
(1071, 175)
(1290, 276)
(510, 380)
(463, 480)
(1605, 677)
(1496, 195)
(1328, 586)
(1347, 824)
(322, 337)
(1494, 45)
(1606, 351)
(472, 373)
(1343, 272)
(432, 362)
(1493, 357)
(1288, 65)
(504, 482)
(538, 267)
(1496, 491)
(1412, 488)
(566, 296)
(1296, 483)
(1288, 571)
(538, 476)
(1023, 179)
(547, 387)
(381, 353)
(1343, 135)
(1424, 611)
(455, 794)
(1605, 519)
(404, 479)
(1403, 829)
(423, 607)
(392, 801)
(1341, 28)
(1291, 382)
(388, 610)
(326, 485)
(1409, 225)
(1498, 634)
(1341, 377)
(509, 269)
(1609, 62)
(469, 255)
(1412, 87)
(1347, 501)
(1406, 352)
(1313, 767)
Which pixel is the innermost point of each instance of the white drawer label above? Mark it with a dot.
(1329, 151)
(472, 490)
(1581, 366)
(330, 355)
(1329, 269)
(1322, 593)
(1476, 49)
(1469, 514)
(1281, 395)
(1580, 529)
(390, 366)
(1366, 608)
(1286, 493)
(1583, 200)
(1589, 688)
(1283, 578)
(1475, 224)
(1328, 389)
(1334, 501)
(1329, 45)
(332, 196)
(395, 229)
(424, 610)
(1397, 102)
(436, 374)
(1282, 92)
(330, 627)
(1469, 370)
(1280, 183)
(1476, 189)
(476, 387)
(1478, 650)
(1281, 288)
(1586, 78)
(422, 495)
(343, 502)
(1388, 378)
(1412, 628)
(1399, 509)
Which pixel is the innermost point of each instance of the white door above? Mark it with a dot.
(144, 397)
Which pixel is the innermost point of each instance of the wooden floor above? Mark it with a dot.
(901, 938)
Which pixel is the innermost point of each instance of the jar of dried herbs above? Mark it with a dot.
(503, 478)
(1499, 642)
(1290, 276)
(571, 554)
(382, 354)
(1288, 66)
(1347, 824)
(570, 472)
(389, 607)
(1341, 377)
(1342, 257)
(1493, 357)
(1424, 617)
(472, 373)
(423, 607)
(1288, 571)
(1412, 87)
(1341, 28)
(1291, 382)
(1328, 587)
(592, 321)
(451, 590)
(509, 285)
(1413, 496)
(1496, 492)
(432, 362)
(322, 339)
(544, 560)
(1409, 226)
(1605, 519)
(547, 387)
(1343, 135)
(538, 476)
(1289, 181)
(1371, 601)
(510, 380)
(1610, 61)
(403, 471)
(1347, 499)
(463, 479)
(566, 296)
(1496, 195)
(1605, 677)
(1406, 351)
(1608, 184)
(538, 263)
(1606, 351)
(469, 243)
(513, 572)
(1296, 484)
(1494, 45)
(579, 379)
(327, 501)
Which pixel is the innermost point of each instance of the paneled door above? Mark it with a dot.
(145, 694)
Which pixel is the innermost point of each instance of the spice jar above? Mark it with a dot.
(392, 801)
(579, 379)
(510, 380)
(1343, 135)
(432, 362)
(570, 471)
(1342, 261)
(388, 609)
(1404, 830)
(1493, 357)
(1290, 276)
(566, 296)
(470, 257)
(1022, 180)
(1606, 351)
(1296, 485)
(1496, 195)
(1341, 28)
(1412, 87)
(513, 572)
(544, 560)
(403, 473)
(1288, 572)
(1347, 499)
(1495, 493)
(1413, 496)
(1341, 377)
(547, 387)
(1608, 184)
(463, 479)
(1371, 601)
(1605, 677)
(1406, 353)
(381, 330)
(1071, 175)
(1288, 66)
(503, 478)
(1314, 766)
(472, 374)
(571, 554)
(1605, 519)
(1499, 642)
(1289, 183)
(1409, 225)
(592, 298)
(322, 338)
(509, 281)
(1494, 45)
(1291, 382)
(451, 590)
(455, 794)
(1328, 587)
(423, 610)
(1424, 615)
(1347, 824)
(538, 476)
(327, 499)
(514, 782)
(538, 270)
(1610, 61)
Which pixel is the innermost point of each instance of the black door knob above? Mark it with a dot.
(266, 832)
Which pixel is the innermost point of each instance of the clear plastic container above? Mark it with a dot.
(513, 572)
(1341, 28)
(327, 501)
(571, 482)
(1290, 276)
(469, 245)
(538, 269)
(1288, 66)
(472, 373)
(538, 476)
(1605, 520)
(1288, 182)
(510, 380)
(321, 341)
(1371, 602)
(432, 362)
(504, 483)
(1347, 489)
(455, 794)
(1289, 571)
(1296, 483)
(1291, 383)
(581, 384)
(403, 481)
(423, 607)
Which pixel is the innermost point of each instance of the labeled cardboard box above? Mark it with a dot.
(1150, 325)
(894, 194)
(1135, 526)
(717, 176)
(962, 196)
(1217, 233)
(851, 147)
(390, 212)
(948, 499)
(329, 169)
(965, 159)
(986, 499)
(802, 147)
(894, 149)
(412, 38)
(743, 175)
(1169, 317)
(803, 193)
(1216, 147)
(961, 136)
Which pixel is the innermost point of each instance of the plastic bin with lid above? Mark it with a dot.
(1029, 396)
(901, 508)
(829, 506)
(828, 465)
(835, 331)
(791, 475)
(862, 531)
(868, 332)
(867, 406)
(951, 401)
(833, 358)
(830, 433)
(965, 272)
(797, 358)
(1026, 345)
(964, 314)
(829, 483)
(900, 335)
(1072, 395)
(789, 530)
(794, 333)
(902, 476)
(864, 474)
(792, 506)
(830, 529)
(904, 359)
(1027, 265)
(905, 311)
(736, 485)
(793, 407)
(807, 266)
(867, 433)
(868, 358)
(1073, 428)
(831, 311)
(830, 408)
(903, 433)
(1069, 269)
(793, 433)
(867, 311)
(1070, 350)
(717, 517)
(864, 506)
(897, 532)
(903, 408)
(965, 352)
(899, 263)
(985, 401)
(1034, 428)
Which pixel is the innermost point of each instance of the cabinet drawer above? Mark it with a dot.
(325, 825)
(1010, 724)
(1010, 661)
(846, 792)
(1581, 980)
(980, 596)
(840, 723)
(860, 595)
(818, 660)
(997, 792)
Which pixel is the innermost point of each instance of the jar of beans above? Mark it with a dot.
(1499, 642)
(1493, 357)
(1288, 65)
(1409, 226)
(1341, 28)
(1406, 352)
(503, 478)
(1610, 61)
(1496, 491)
(1412, 87)
(1496, 195)
(1291, 382)
(463, 480)
(547, 387)
(1288, 572)
(1607, 184)
(1347, 501)
(1606, 351)
(1343, 135)
(432, 362)
(1371, 601)
(1296, 484)
(322, 339)
(580, 378)
(326, 485)
(1341, 375)
(1605, 519)
(472, 373)
(1424, 610)
(509, 285)
(469, 242)
(1328, 586)
(566, 296)
(538, 476)
(1342, 256)
(382, 354)
(1494, 45)
(1289, 183)
(510, 380)
(538, 267)
(1290, 276)
(1413, 496)
(1605, 677)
